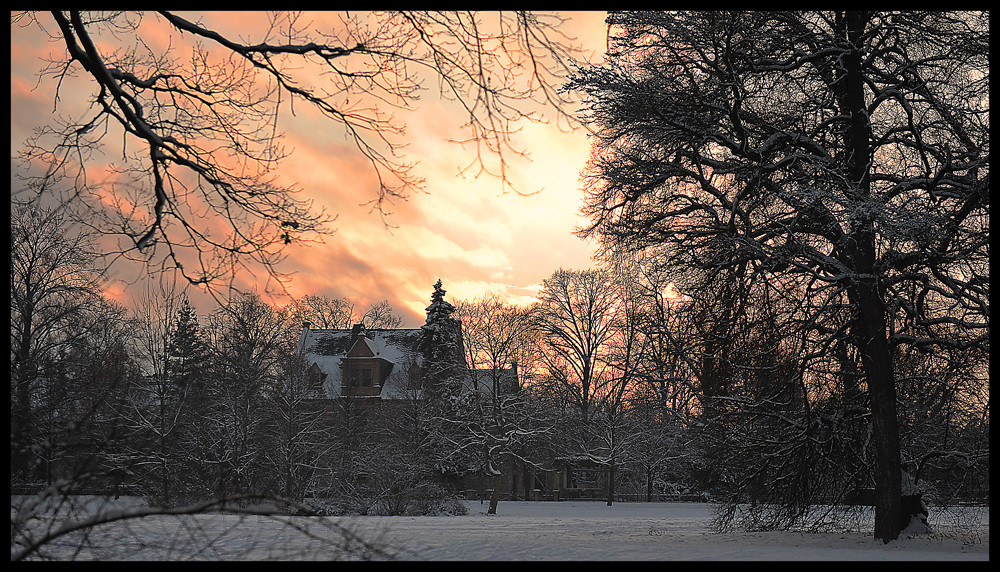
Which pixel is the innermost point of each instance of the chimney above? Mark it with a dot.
(302, 337)
(356, 331)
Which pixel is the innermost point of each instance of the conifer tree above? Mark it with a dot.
(187, 348)
(443, 367)
(442, 350)
(181, 402)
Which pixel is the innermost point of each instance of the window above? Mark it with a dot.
(413, 377)
(359, 376)
(353, 376)
(316, 377)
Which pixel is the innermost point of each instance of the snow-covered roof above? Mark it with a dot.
(400, 347)
(327, 347)
(482, 379)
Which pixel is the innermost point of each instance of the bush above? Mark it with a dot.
(432, 500)
(449, 506)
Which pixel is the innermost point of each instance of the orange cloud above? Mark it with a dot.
(464, 230)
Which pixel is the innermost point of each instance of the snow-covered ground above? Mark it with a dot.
(650, 531)
(541, 531)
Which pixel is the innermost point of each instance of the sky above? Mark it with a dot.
(464, 230)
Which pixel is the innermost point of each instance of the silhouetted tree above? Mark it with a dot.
(53, 286)
(496, 418)
(576, 321)
(845, 154)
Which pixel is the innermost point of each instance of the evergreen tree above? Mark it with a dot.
(443, 367)
(183, 409)
(187, 350)
(442, 350)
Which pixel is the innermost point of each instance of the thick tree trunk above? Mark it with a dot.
(877, 362)
(495, 497)
(865, 291)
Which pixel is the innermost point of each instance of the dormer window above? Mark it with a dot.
(316, 377)
(359, 376)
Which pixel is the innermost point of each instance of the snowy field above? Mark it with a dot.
(650, 531)
(529, 531)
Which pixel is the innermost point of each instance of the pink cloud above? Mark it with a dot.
(463, 230)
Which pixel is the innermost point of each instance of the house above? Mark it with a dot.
(381, 363)
(391, 364)
(362, 363)
(365, 368)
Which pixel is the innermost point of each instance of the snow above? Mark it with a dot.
(567, 530)
(588, 530)
(326, 348)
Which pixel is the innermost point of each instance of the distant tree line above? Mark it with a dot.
(663, 394)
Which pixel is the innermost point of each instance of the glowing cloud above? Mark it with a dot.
(463, 230)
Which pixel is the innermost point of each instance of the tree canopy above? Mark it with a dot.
(841, 155)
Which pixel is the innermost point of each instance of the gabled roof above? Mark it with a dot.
(326, 348)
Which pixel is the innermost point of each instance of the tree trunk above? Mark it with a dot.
(877, 362)
(482, 488)
(495, 497)
(865, 293)
(611, 482)
(162, 423)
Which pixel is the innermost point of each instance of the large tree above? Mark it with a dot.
(190, 126)
(441, 346)
(53, 286)
(843, 154)
(577, 314)
(157, 422)
(248, 341)
(497, 420)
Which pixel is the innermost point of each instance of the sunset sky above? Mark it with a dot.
(464, 230)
